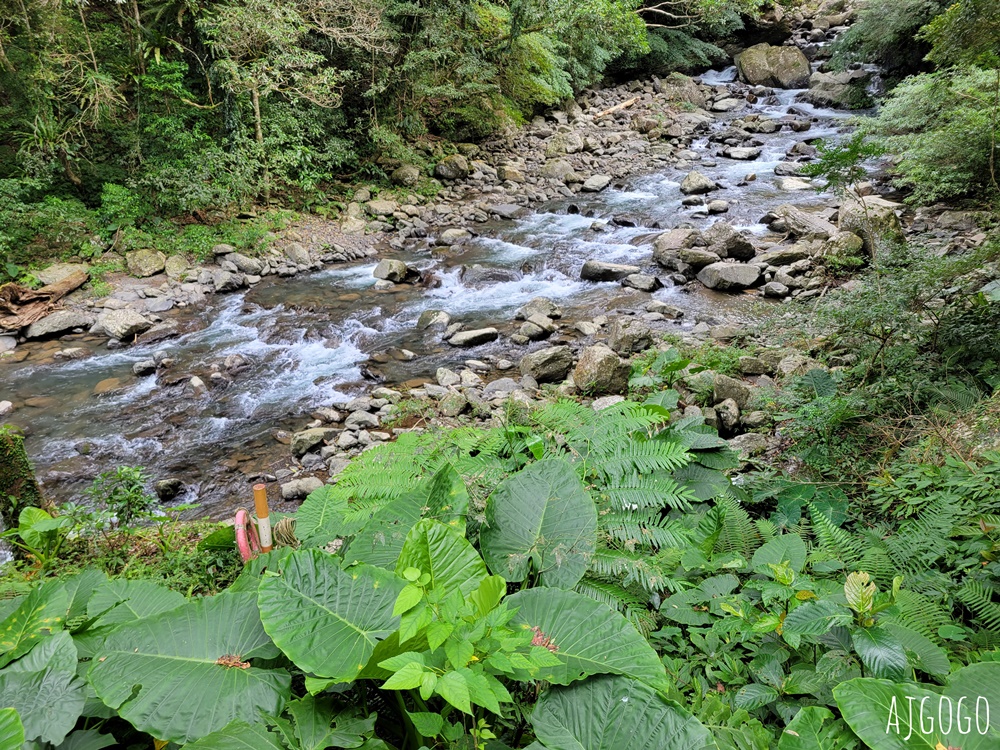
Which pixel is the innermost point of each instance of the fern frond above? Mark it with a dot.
(834, 540)
(635, 609)
(978, 597)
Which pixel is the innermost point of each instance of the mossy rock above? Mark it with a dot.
(18, 486)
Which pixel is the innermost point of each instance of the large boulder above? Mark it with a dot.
(390, 269)
(805, 224)
(559, 169)
(406, 175)
(600, 371)
(596, 270)
(628, 335)
(58, 322)
(475, 337)
(538, 306)
(726, 242)
(843, 245)
(695, 183)
(433, 320)
(697, 257)
(726, 387)
(59, 271)
(549, 365)
(147, 262)
(306, 440)
(123, 324)
(454, 167)
(729, 277)
(246, 264)
(667, 245)
(778, 67)
(844, 90)
(874, 220)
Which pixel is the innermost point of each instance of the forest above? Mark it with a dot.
(619, 373)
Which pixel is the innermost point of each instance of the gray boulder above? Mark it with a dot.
(406, 175)
(123, 324)
(726, 387)
(600, 370)
(433, 320)
(596, 184)
(538, 306)
(297, 253)
(454, 167)
(729, 277)
(299, 488)
(778, 67)
(246, 264)
(146, 262)
(392, 270)
(874, 220)
(226, 281)
(628, 335)
(306, 440)
(595, 270)
(695, 183)
(549, 365)
(475, 337)
(804, 224)
(58, 322)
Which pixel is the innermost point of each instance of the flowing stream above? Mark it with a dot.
(308, 339)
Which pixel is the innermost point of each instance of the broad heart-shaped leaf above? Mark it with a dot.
(319, 726)
(814, 728)
(238, 735)
(320, 518)
(921, 651)
(87, 739)
(615, 713)
(880, 652)
(48, 703)
(543, 516)
(591, 638)
(445, 554)
(79, 589)
(162, 673)
(56, 652)
(325, 619)
(442, 497)
(122, 601)
(784, 548)
(879, 713)
(11, 730)
(979, 685)
(41, 612)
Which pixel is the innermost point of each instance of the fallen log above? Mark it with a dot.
(623, 105)
(21, 306)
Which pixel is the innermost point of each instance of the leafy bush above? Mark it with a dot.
(123, 493)
(943, 127)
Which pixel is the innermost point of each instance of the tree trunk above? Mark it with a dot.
(18, 486)
(258, 127)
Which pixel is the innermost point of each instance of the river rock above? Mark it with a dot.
(748, 444)
(144, 367)
(718, 207)
(537, 327)
(297, 253)
(741, 153)
(510, 173)
(725, 387)
(7, 344)
(176, 266)
(508, 210)
(454, 167)
(667, 245)
(479, 275)
(474, 337)
(777, 67)
(549, 365)
(776, 290)
(600, 371)
(538, 306)
(306, 440)
(726, 242)
(874, 220)
(446, 377)
(843, 90)
(453, 236)
(123, 324)
(146, 262)
(223, 248)
(728, 413)
(6, 407)
(596, 184)
(390, 269)
(729, 277)
(59, 271)
(382, 208)
(246, 264)
(782, 256)
(406, 175)
(695, 183)
(804, 224)
(361, 420)
(698, 257)
(559, 169)
(596, 270)
(58, 322)
(227, 281)
(299, 488)
(453, 404)
(843, 245)
(643, 282)
(433, 320)
(628, 335)
(564, 143)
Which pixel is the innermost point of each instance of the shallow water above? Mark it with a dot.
(308, 339)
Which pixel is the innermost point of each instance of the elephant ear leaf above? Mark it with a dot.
(541, 518)
(325, 619)
(185, 673)
(11, 730)
(588, 637)
(238, 735)
(610, 713)
(815, 728)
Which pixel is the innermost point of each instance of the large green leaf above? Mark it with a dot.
(325, 619)
(57, 652)
(814, 728)
(979, 686)
(238, 735)
(318, 725)
(41, 612)
(79, 589)
(88, 739)
(49, 702)
(169, 676)
(121, 601)
(542, 519)
(787, 548)
(590, 637)
(11, 730)
(880, 652)
(614, 713)
(815, 618)
(445, 554)
(921, 651)
(879, 713)
(442, 497)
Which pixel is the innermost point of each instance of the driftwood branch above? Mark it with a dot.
(20, 306)
(617, 107)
